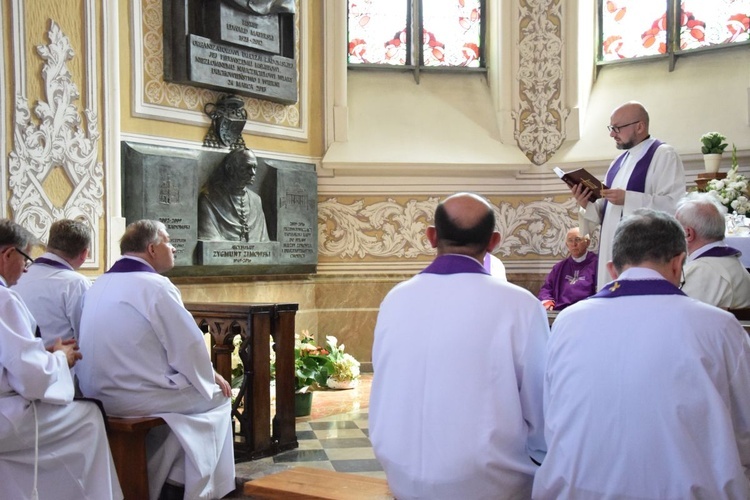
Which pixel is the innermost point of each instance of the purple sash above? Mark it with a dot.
(719, 252)
(637, 180)
(454, 264)
(130, 266)
(623, 288)
(50, 262)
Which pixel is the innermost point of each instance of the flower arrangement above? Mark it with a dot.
(318, 367)
(342, 368)
(713, 143)
(314, 366)
(732, 190)
(309, 361)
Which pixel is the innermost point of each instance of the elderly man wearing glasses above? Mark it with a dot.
(50, 445)
(649, 174)
(573, 278)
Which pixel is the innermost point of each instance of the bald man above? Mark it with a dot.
(649, 174)
(456, 401)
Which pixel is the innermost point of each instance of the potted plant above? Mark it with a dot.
(712, 147)
(309, 361)
(732, 190)
(341, 367)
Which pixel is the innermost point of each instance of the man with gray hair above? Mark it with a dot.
(145, 356)
(646, 391)
(51, 288)
(713, 272)
(42, 430)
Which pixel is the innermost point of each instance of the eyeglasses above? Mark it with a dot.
(28, 260)
(616, 128)
(574, 240)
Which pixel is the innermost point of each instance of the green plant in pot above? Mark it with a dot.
(309, 363)
(713, 143)
(712, 147)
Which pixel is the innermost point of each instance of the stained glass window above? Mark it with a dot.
(639, 28)
(704, 23)
(377, 32)
(381, 32)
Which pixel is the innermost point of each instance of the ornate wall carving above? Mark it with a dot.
(56, 143)
(540, 117)
(395, 228)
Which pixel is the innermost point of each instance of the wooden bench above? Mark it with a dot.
(127, 440)
(308, 483)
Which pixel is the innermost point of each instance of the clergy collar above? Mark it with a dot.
(637, 151)
(455, 264)
(581, 258)
(699, 251)
(638, 281)
(131, 263)
(53, 260)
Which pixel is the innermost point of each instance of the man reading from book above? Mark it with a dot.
(649, 174)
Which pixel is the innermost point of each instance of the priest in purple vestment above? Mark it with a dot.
(572, 279)
(649, 174)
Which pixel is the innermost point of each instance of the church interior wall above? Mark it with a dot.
(386, 148)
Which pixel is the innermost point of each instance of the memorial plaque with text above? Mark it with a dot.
(257, 32)
(242, 70)
(164, 183)
(237, 253)
(159, 183)
(219, 45)
(297, 228)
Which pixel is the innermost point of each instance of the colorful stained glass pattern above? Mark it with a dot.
(638, 28)
(633, 28)
(451, 33)
(377, 32)
(714, 22)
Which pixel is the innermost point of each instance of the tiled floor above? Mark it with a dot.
(334, 437)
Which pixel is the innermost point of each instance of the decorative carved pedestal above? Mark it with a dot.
(256, 324)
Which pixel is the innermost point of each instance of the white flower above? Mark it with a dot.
(731, 191)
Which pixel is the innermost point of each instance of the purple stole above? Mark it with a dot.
(637, 180)
(130, 266)
(720, 252)
(624, 288)
(454, 264)
(50, 262)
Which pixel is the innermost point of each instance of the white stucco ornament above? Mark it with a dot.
(55, 138)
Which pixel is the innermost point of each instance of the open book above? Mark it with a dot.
(582, 176)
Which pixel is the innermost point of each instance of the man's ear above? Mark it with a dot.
(432, 236)
(494, 242)
(82, 257)
(689, 233)
(676, 265)
(611, 269)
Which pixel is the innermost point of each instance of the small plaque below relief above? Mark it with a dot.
(236, 253)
